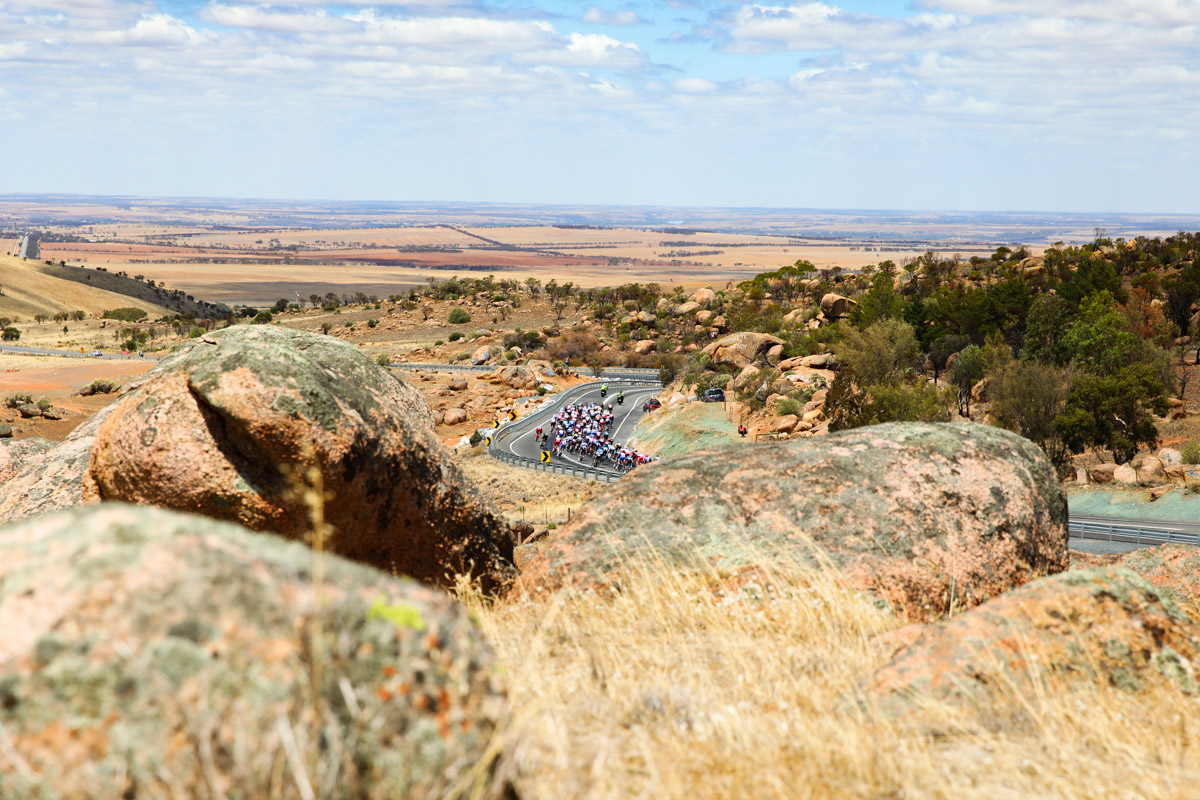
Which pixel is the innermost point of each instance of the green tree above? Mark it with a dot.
(1028, 398)
(1048, 319)
(11, 334)
(458, 316)
(885, 352)
(1113, 412)
(880, 301)
(967, 370)
(1099, 339)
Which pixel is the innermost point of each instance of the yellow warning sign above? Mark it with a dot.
(489, 441)
(545, 456)
(496, 424)
(512, 416)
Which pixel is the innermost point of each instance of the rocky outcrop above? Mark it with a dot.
(482, 355)
(153, 653)
(17, 455)
(1174, 569)
(1104, 625)
(739, 350)
(927, 517)
(1102, 473)
(645, 346)
(834, 306)
(231, 428)
(704, 296)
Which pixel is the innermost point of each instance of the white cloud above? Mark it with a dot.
(588, 50)
(598, 16)
(256, 18)
(153, 30)
(694, 85)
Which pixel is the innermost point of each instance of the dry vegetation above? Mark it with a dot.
(677, 689)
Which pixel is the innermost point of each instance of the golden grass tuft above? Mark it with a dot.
(678, 688)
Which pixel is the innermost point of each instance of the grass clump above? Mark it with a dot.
(699, 686)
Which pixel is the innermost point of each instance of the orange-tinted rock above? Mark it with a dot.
(1106, 625)
(227, 429)
(926, 517)
(1174, 568)
(143, 647)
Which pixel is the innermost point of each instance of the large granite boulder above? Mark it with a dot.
(17, 455)
(154, 654)
(739, 350)
(233, 428)
(1105, 625)
(927, 517)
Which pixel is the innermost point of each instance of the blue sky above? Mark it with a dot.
(1055, 105)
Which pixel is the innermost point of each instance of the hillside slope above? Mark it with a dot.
(29, 290)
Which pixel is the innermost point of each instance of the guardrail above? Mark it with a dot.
(1130, 532)
(554, 467)
(496, 451)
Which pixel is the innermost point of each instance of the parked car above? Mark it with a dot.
(96, 354)
(713, 396)
(651, 405)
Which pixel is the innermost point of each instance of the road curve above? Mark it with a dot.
(517, 444)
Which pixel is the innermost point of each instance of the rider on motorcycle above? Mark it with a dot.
(603, 389)
(621, 399)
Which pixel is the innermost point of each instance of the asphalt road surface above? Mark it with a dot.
(38, 351)
(625, 419)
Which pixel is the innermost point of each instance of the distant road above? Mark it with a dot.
(39, 351)
(1131, 533)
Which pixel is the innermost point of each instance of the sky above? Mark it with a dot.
(1045, 105)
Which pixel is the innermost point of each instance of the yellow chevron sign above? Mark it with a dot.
(512, 416)
(489, 441)
(545, 456)
(496, 424)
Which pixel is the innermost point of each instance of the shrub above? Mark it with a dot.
(372, 323)
(1191, 453)
(458, 316)
(124, 314)
(348, 324)
(196, 332)
(44, 404)
(11, 334)
(454, 337)
(78, 316)
(14, 400)
(787, 406)
(262, 318)
(103, 386)
(325, 327)
(438, 343)
(383, 359)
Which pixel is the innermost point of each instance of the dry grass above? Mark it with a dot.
(676, 690)
(521, 494)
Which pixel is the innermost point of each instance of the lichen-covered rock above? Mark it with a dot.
(230, 427)
(151, 653)
(1105, 625)
(17, 455)
(1173, 568)
(56, 480)
(927, 517)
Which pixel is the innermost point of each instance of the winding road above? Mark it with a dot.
(517, 443)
